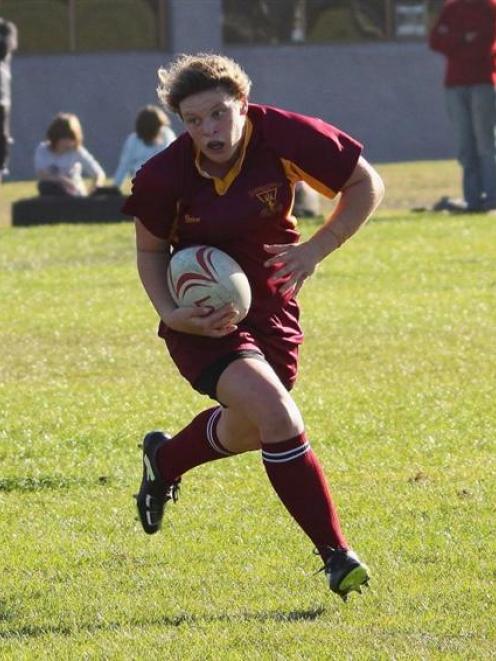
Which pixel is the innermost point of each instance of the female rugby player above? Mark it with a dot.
(229, 181)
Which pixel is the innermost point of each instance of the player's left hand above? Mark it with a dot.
(292, 264)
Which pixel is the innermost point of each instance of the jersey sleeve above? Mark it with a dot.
(312, 150)
(154, 199)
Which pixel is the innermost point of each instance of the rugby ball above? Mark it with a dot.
(207, 277)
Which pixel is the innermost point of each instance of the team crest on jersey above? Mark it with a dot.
(267, 195)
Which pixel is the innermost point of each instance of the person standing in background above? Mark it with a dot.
(465, 33)
(8, 44)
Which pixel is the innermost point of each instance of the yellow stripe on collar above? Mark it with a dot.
(222, 184)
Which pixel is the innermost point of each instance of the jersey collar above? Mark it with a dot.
(222, 184)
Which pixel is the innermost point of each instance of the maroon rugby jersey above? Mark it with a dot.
(251, 206)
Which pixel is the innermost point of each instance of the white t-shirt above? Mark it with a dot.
(135, 152)
(74, 164)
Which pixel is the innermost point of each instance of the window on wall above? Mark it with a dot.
(325, 21)
(54, 26)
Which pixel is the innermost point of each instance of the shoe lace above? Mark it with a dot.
(172, 492)
(330, 552)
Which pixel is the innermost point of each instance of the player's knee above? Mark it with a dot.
(281, 420)
(248, 441)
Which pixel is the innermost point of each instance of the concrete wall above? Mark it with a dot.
(387, 95)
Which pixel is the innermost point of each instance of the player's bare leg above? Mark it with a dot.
(260, 414)
(237, 433)
(251, 389)
(256, 399)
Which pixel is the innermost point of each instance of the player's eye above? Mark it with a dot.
(193, 121)
(217, 114)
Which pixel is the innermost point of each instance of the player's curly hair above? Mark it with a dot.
(190, 74)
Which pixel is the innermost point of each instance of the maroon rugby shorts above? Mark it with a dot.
(201, 359)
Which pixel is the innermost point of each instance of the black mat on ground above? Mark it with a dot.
(57, 209)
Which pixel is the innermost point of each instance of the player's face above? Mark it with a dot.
(215, 121)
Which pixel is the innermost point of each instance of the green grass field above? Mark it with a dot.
(397, 386)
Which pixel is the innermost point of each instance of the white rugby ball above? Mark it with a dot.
(207, 277)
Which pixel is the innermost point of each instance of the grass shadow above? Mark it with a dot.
(48, 482)
(177, 621)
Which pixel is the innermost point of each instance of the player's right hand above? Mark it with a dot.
(202, 321)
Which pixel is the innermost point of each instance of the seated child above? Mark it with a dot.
(152, 134)
(61, 161)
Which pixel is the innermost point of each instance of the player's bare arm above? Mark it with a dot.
(153, 256)
(359, 197)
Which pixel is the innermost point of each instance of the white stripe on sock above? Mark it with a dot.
(289, 455)
(210, 432)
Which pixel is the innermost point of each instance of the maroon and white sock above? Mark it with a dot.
(196, 444)
(299, 481)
